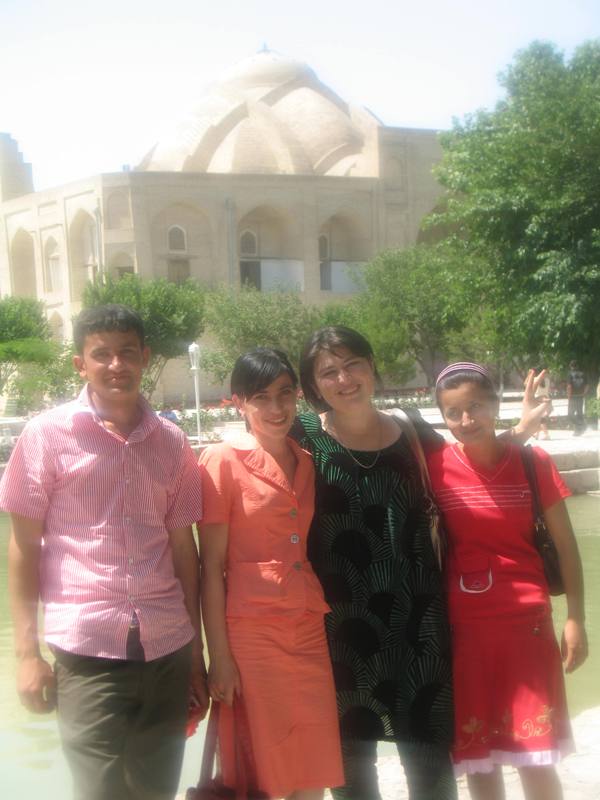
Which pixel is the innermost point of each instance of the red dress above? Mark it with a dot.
(510, 705)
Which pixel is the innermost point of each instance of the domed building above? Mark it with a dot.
(271, 179)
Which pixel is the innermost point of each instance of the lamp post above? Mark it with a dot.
(194, 354)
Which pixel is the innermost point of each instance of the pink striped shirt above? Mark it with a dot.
(107, 505)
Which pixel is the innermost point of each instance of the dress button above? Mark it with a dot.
(294, 512)
(297, 565)
(294, 538)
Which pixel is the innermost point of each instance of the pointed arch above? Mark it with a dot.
(53, 280)
(57, 326)
(22, 265)
(83, 248)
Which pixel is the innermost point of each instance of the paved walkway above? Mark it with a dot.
(579, 773)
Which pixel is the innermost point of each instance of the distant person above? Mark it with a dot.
(576, 391)
(168, 413)
(102, 494)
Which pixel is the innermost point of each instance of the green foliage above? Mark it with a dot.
(592, 407)
(24, 336)
(22, 318)
(523, 187)
(238, 320)
(173, 315)
(55, 381)
(414, 300)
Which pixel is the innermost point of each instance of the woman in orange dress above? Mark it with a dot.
(263, 607)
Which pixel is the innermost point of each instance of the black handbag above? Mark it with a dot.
(541, 535)
(210, 786)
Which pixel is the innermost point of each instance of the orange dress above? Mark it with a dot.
(287, 716)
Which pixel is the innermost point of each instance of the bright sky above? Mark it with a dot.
(88, 86)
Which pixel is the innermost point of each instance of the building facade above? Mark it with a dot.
(272, 179)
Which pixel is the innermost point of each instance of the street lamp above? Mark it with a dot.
(194, 353)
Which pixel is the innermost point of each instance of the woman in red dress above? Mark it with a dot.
(510, 706)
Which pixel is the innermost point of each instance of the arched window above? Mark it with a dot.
(22, 259)
(56, 327)
(117, 211)
(248, 244)
(324, 263)
(52, 268)
(178, 270)
(122, 264)
(176, 239)
(323, 248)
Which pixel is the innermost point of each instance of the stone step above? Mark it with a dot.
(578, 459)
(584, 480)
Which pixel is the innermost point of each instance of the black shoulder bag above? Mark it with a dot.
(541, 535)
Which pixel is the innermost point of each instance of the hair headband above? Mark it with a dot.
(462, 366)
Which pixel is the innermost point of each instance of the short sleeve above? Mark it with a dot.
(185, 506)
(215, 471)
(551, 485)
(29, 477)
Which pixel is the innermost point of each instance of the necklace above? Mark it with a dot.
(350, 453)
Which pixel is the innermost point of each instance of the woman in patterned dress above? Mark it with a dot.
(370, 546)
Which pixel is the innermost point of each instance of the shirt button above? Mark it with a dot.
(297, 565)
(127, 520)
(294, 512)
(294, 538)
(130, 560)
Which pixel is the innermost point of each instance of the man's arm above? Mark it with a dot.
(35, 679)
(187, 569)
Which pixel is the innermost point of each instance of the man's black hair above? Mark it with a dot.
(111, 317)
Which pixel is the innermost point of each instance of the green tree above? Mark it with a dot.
(52, 382)
(24, 336)
(523, 184)
(173, 315)
(414, 300)
(238, 320)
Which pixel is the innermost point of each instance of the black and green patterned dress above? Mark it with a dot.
(388, 633)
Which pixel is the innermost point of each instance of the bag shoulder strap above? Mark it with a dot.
(435, 529)
(210, 746)
(407, 427)
(527, 458)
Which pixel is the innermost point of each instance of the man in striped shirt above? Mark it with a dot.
(102, 494)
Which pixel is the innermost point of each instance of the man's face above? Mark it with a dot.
(112, 363)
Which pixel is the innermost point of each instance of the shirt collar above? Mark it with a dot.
(260, 462)
(148, 422)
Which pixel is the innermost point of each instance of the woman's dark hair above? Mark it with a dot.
(456, 379)
(331, 339)
(257, 369)
(101, 319)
